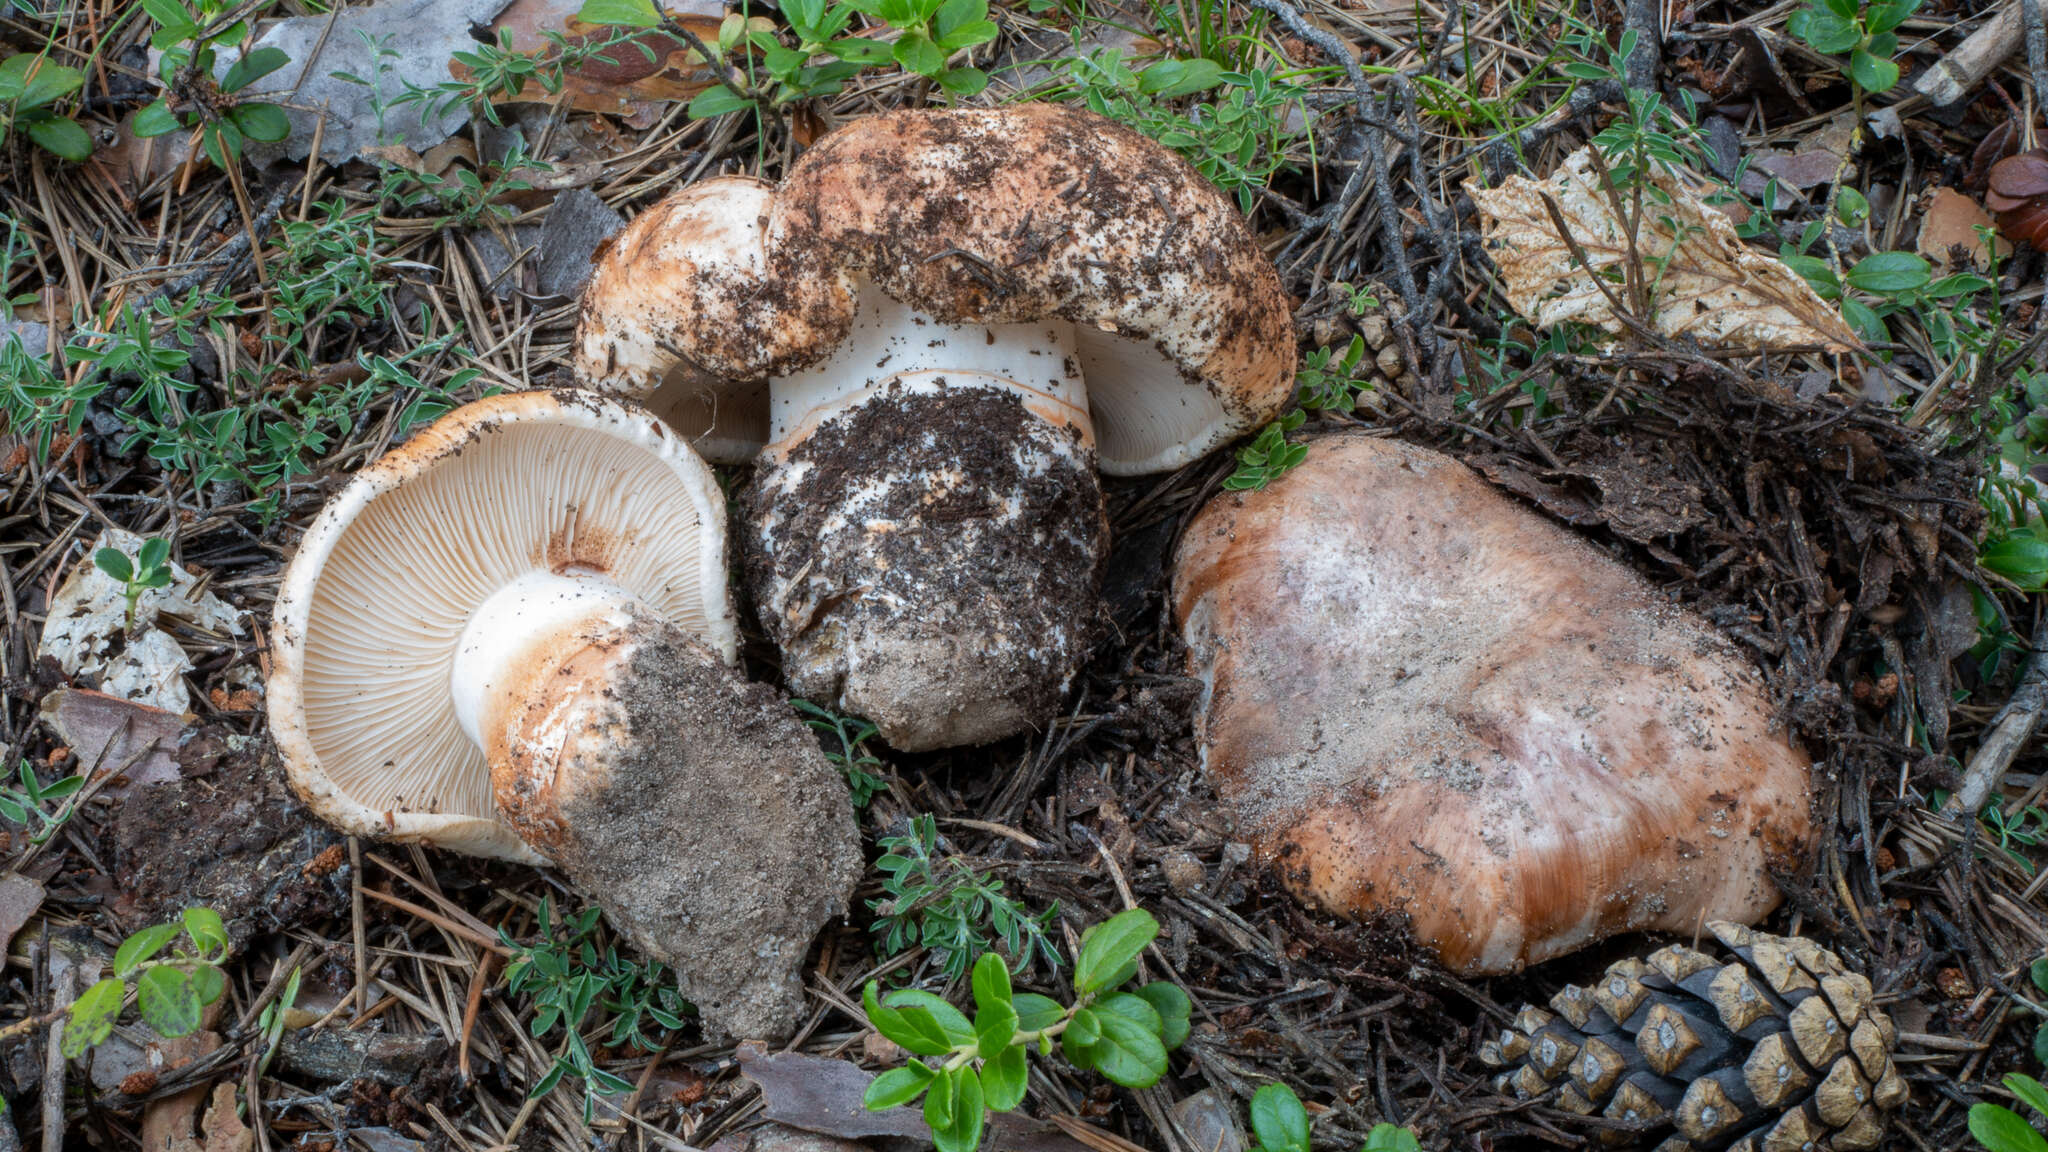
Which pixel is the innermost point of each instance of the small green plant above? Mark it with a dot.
(976, 1067)
(928, 34)
(270, 1025)
(2000, 1129)
(30, 85)
(1865, 32)
(1269, 456)
(191, 40)
(1237, 136)
(25, 807)
(151, 568)
(1331, 381)
(861, 767)
(1280, 1124)
(1357, 299)
(940, 902)
(171, 993)
(568, 979)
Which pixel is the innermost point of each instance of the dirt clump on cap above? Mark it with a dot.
(924, 555)
(720, 837)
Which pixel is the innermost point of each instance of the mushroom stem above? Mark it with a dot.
(893, 343)
(521, 625)
(926, 533)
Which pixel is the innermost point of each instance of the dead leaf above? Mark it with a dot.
(19, 899)
(421, 34)
(221, 1131)
(107, 732)
(1949, 223)
(1713, 288)
(622, 80)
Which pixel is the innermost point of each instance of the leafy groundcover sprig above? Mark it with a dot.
(976, 1067)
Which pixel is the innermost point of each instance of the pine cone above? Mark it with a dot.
(2018, 193)
(1781, 1050)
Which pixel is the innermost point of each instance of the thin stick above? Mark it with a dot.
(2011, 729)
(1957, 74)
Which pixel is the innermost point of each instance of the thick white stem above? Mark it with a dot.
(891, 342)
(519, 625)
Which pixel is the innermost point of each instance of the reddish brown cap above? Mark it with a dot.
(969, 216)
(1424, 699)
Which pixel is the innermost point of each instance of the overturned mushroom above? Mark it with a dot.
(1425, 700)
(511, 637)
(938, 325)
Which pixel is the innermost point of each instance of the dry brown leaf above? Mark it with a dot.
(1950, 222)
(1713, 288)
(622, 81)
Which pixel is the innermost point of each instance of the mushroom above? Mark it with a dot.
(1424, 700)
(511, 637)
(938, 326)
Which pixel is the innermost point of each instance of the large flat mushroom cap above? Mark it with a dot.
(1015, 214)
(369, 617)
(1426, 700)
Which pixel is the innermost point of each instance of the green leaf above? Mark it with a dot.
(253, 67)
(168, 1000)
(717, 100)
(1884, 18)
(1036, 1013)
(1865, 320)
(2029, 1090)
(897, 1086)
(938, 1103)
(949, 1019)
(910, 1035)
(1131, 1008)
(2020, 556)
(968, 35)
(963, 81)
(152, 554)
(992, 981)
(1174, 1010)
(155, 120)
(994, 1027)
(1110, 947)
(955, 14)
(1391, 1138)
(1830, 32)
(632, 13)
(2038, 973)
(1129, 1053)
(963, 1132)
(1004, 1079)
(92, 1017)
(1083, 1031)
(208, 983)
(1890, 273)
(2041, 1044)
(1190, 77)
(1278, 1119)
(264, 122)
(918, 54)
(201, 924)
(1872, 73)
(44, 83)
(140, 947)
(2001, 1130)
(114, 563)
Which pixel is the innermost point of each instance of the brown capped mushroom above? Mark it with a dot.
(511, 637)
(956, 315)
(1425, 700)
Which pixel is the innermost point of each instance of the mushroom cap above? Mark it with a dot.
(970, 216)
(1424, 699)
(384, 582)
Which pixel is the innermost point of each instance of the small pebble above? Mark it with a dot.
(1183, 871)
